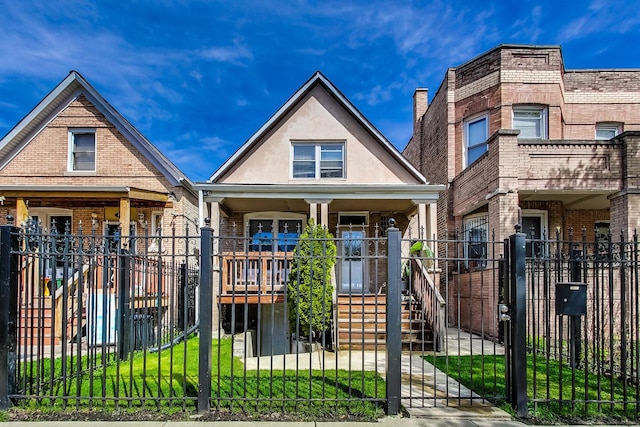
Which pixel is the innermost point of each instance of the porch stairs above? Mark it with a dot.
(41, 324)
(361, 323)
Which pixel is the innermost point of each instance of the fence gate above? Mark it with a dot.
(452, 295)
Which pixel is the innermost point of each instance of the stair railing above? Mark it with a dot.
(431, 301)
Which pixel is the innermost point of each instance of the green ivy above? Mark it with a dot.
(309, 288)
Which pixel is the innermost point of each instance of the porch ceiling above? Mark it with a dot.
(571, 199)
(300, 205)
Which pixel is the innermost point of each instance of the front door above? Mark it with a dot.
(352, 268)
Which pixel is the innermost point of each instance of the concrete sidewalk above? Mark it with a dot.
(386, 422)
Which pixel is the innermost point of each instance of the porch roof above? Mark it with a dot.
(420, 193)
(81, 192)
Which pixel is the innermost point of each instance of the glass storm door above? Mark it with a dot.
(352, 268)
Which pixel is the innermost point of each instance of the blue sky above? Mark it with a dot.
(198, 78)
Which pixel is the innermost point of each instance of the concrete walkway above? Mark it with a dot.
(426, 391)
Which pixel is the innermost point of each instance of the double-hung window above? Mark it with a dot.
(324, 160)
(476, 132)
(82, 150)
(531, 121)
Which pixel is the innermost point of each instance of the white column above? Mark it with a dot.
(313, 212)
(324, 214)
(201, 209)
(423, 228)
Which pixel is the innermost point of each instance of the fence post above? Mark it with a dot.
(518, 303)
(394, 331)
(124, 304)
(206, 315)
(8, 312)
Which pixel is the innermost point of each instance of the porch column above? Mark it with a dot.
(624, 218)
(423, 226)
(432, 231)
(324, 214)
(125, 216)
(214, 214)
(313, 211)
(22, 211)
(202, 214)
(626, 203)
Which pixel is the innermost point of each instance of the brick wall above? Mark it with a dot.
(44, 160)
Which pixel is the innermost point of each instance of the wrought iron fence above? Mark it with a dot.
(584, 324)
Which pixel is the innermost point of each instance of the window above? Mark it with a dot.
(266, 229)
(476, 131)
(82, 150)
(476, 230)
(605, 131)
(534, 225)
(531, 121)
(318, 160)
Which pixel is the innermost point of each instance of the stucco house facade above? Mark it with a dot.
(316, 158)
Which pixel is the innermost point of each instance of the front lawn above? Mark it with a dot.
(168, 382)
(549, 385)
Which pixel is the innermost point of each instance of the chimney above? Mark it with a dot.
(420, 103)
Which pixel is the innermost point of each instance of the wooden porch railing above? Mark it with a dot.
(255, 272)
(431, 302)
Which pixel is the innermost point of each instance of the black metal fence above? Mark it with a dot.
(583, 330)
(333, 325)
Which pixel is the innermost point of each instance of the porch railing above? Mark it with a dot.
(255, 272)
(432, 304)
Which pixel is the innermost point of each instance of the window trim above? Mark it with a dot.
(607, 126)
(70, 154)
(543, 215)
(465, 132)
(544, 122)
(317, 159)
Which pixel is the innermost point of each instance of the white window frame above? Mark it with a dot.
(607, 127)
(156, 223)
(317, 158)
(71, 150)
(542, 110)
(544, 227)
(468, 122)
(44, 216)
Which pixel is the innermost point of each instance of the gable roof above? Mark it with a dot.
(59, 98)
(317, 79)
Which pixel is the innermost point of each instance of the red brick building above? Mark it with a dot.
(516, 137)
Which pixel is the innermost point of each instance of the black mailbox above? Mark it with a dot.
(571, 299)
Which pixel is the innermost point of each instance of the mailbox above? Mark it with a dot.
(571, 299)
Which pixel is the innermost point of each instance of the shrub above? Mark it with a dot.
(309, 288)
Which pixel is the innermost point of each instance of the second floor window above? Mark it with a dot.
(531, 121)
(82, 150)
(476, 131)
(318, 160)
(605, 131)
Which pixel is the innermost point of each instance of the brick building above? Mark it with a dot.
(75, 159)
(516, 137)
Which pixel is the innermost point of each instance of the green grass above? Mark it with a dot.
(549, 386)
(162, 380)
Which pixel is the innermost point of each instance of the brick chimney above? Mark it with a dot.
(420, 103)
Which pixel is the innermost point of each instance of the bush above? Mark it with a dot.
(309, 288)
